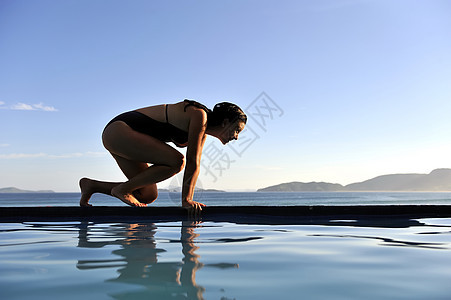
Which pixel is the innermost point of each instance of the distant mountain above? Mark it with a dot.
(212, 191)
(303, 187)
(12, 190)
(437, 180)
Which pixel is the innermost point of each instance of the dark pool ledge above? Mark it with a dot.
(245, 214)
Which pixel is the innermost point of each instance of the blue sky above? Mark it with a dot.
(362, 88)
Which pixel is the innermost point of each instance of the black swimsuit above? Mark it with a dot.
(165, 132)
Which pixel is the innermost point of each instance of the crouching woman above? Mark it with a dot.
(138, 139)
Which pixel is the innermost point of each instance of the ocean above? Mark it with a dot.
(241, 199)
(187, 259)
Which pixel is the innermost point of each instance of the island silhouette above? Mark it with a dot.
(437, 180)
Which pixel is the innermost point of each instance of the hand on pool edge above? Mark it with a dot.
(194, 208)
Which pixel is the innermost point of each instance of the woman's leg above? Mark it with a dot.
(146, 194)
(132, 150)
(90, 186)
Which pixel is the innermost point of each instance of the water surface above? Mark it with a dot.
(339, 259)
(243, 199)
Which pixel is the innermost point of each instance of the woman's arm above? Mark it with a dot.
(196, 141)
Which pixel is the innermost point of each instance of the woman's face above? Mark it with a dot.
(231, 130)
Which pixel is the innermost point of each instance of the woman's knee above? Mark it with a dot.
(146, 195)
(178, 163)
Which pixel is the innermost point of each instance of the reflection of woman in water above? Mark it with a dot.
(138, 138)
(138, 261)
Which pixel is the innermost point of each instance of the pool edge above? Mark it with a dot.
(222, 213)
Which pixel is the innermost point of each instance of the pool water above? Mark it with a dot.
(338, 259)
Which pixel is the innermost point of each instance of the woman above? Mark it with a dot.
(138, 138)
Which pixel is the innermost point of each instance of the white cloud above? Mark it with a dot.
(4, 145)
(39, 106)
(21, 155)
(77, 154)
(2, 103)
(46, 155)
(21, 106)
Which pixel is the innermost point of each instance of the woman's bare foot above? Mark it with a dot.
(126, 197)
(86, 191)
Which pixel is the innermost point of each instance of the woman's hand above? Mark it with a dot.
(194, 208)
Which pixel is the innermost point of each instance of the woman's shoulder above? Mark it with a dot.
(181, 115)
(196, 105)
(191, 108)
(196, 113)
